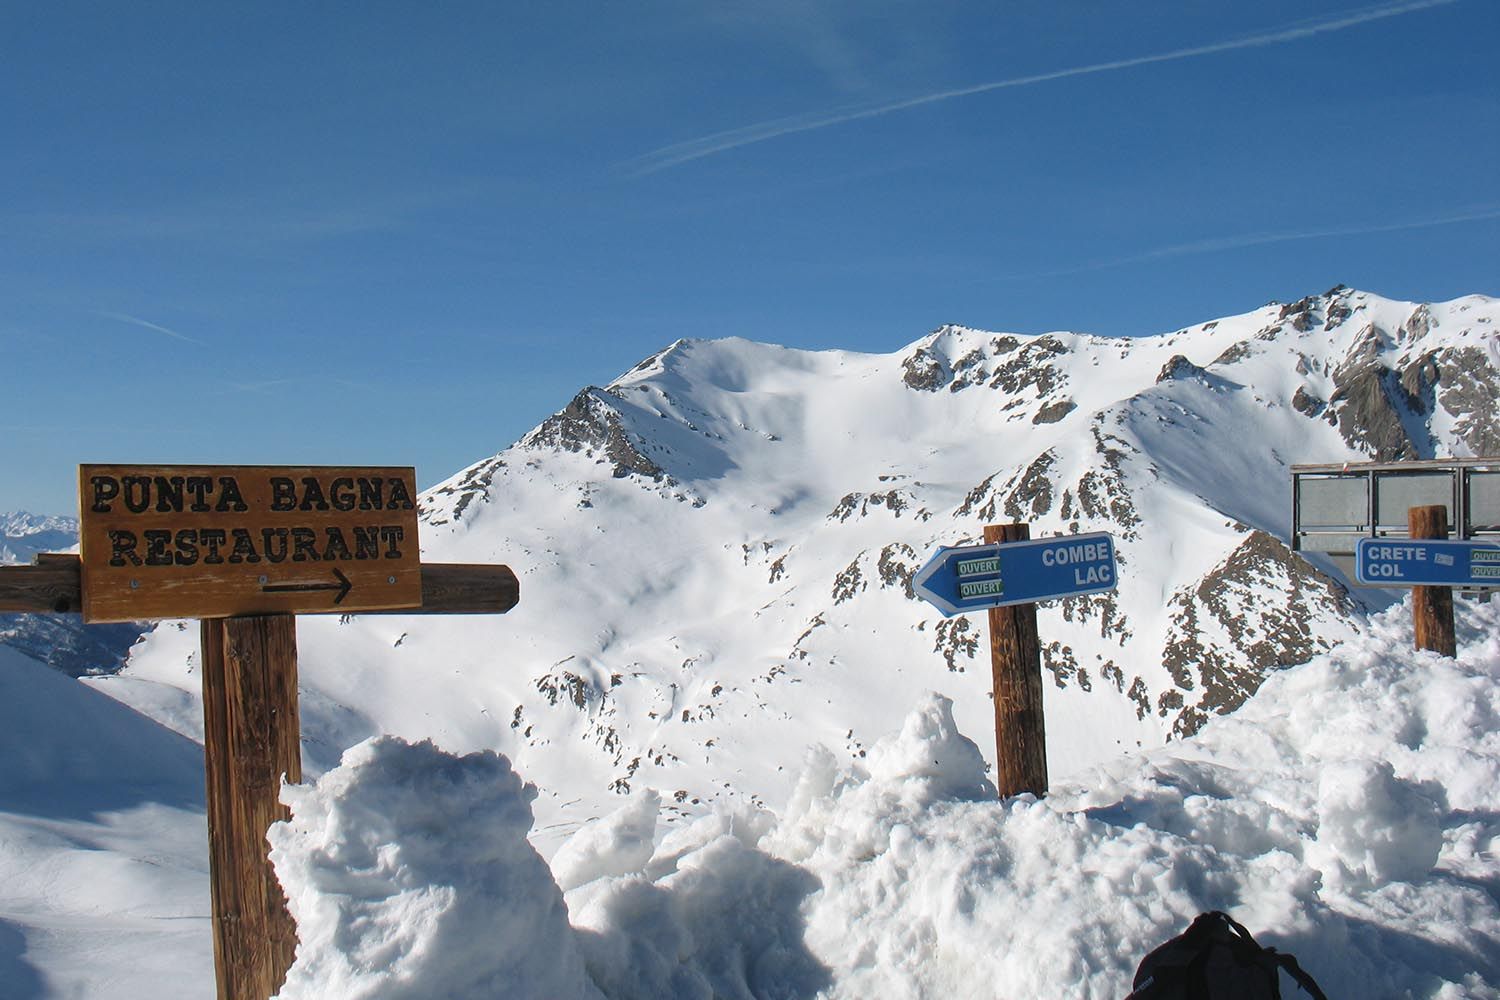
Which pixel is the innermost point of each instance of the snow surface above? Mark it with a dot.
(1346, 815)
(103, 846)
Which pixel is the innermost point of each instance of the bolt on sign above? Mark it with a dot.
(219, 541)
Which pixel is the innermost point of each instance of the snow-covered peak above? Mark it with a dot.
(716, 549)
(23, 535)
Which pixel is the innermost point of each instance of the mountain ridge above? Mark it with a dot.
(716, 548)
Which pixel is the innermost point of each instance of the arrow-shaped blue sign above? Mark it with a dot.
(1420, 562)
(974, 577)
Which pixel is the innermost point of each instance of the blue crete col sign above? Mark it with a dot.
(1410, 562)
(958, 579)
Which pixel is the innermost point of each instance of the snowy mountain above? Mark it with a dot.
(716, 549)
(716, 553)
(62, 642)
(23, 535)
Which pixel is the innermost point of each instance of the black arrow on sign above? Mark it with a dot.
(343, 587)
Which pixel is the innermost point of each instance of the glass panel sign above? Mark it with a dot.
(1395, 492)
(1333, 503)
(1484, 501)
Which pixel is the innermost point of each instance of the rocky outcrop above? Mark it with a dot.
(1308, 403)
(1178, 366)
(590, 426)
(858, 505)
(1032, 495)
(1469, 390)
(1375, 408)
(925, 371)
(473, 484)
(1364, 409)
(1053, 412)
(1263, 608)
(1028, 368)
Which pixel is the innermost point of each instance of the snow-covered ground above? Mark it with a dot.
(1347, 815)
(103, 846)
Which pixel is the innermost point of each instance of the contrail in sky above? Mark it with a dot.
(147, 324)
(719, 142)
(1243, 240)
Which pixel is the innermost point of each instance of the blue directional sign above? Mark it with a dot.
(1418, 562)
(974, 577)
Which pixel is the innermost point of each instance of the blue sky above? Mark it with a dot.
(392, 233)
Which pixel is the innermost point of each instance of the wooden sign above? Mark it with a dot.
(218, 541)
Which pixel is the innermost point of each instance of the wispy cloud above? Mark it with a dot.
(719, 142)
(281, 383)
(260, 386)
(147, 325)
(1243, 240)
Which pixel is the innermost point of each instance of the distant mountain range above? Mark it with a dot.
(716, 549)
(23, 535)
(60, 641)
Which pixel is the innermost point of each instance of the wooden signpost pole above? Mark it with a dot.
(1016, 664)
(1432, 607)
(251, 740)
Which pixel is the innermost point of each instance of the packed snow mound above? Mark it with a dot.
(1346, 815)
(409, 875)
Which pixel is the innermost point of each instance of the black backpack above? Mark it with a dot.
(1216, 959)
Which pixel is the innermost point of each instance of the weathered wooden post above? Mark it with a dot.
(1432, 607)
(245, 549)
(1016, 668)
(1008, 575)
(251, 740)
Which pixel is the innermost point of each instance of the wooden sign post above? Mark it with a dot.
(251, 741)
(245, 549)
(1007, 576)
(1432, 607)
(1016, 668)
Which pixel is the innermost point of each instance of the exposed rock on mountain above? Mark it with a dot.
(590, 425)
(1470, 394)
(1263, 608)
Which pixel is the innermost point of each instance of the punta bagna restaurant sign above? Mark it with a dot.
(219, 541)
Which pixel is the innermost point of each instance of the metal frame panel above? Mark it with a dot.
(1482, 499)
(1469, 488)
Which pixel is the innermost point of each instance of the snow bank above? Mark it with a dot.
(408, 872)
(1347, 814)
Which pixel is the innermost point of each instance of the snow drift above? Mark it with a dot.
(1347, 814)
